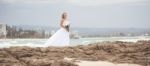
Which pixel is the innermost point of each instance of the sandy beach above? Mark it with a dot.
(115, 53)
(103, 63)
(99, 63)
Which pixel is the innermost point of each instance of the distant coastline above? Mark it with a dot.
(29, 31)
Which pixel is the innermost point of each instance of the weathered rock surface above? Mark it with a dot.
(117, 52)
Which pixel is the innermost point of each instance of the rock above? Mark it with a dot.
(89, 52)
(63, 63)
(44, 50)
(117, 52)
(37, 62)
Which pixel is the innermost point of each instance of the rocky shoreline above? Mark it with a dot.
(116, 52)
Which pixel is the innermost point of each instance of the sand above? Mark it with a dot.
(98, 63)
(102, 63)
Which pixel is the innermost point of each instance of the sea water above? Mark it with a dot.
(4, 43)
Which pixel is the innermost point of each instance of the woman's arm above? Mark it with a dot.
(61, 24)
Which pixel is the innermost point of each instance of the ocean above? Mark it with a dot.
(5, 43)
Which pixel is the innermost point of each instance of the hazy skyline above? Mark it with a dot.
(82, 13)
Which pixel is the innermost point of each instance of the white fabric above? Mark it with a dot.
(60, 38)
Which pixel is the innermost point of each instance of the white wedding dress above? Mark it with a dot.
(60, 38)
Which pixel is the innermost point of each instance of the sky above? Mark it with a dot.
(82, 13)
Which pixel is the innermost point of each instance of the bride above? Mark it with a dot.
(61, 37)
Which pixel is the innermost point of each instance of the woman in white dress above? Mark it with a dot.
(61, 37)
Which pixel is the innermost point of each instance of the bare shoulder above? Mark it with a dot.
(62, 20)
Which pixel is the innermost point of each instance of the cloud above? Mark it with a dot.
(29, 1)
(73, 2)
(103, 2)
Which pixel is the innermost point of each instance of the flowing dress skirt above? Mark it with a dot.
(60, 38)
